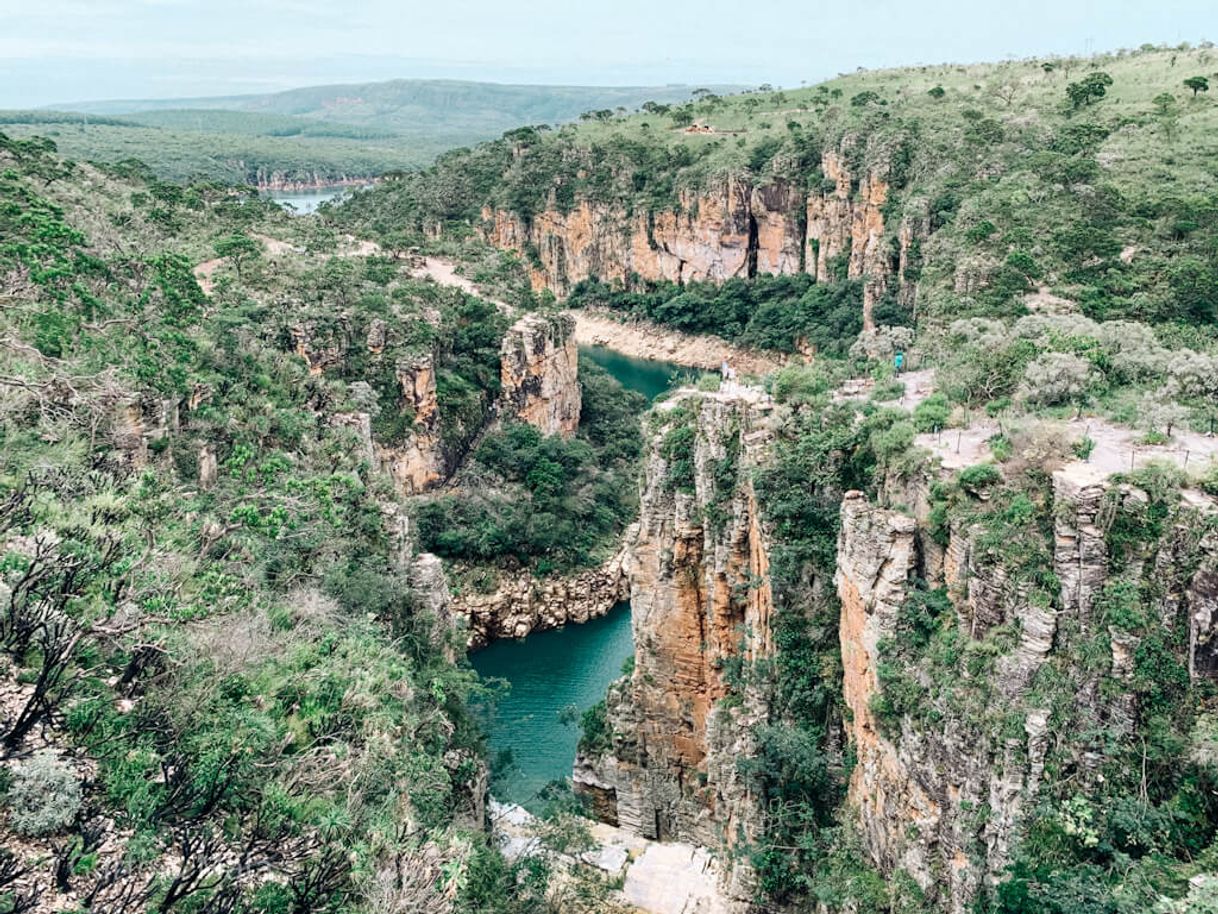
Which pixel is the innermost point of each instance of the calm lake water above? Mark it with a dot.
(648, 377)
(549, 672)
(306, 201)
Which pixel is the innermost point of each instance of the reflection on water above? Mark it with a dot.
(648, 377)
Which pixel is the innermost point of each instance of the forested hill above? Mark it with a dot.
(226, 682)
(933, 192)
(316, 134)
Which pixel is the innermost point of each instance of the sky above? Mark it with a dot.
(56, 51)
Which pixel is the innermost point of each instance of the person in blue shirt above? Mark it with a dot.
(899, 361)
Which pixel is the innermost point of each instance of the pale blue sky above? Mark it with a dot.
(64, 50)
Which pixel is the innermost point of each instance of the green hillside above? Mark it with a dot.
(1018, 186)
(315, 134)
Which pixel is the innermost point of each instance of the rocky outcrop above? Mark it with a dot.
(539, 373)
(845, 219)
(419, 462)
(700, 597)
(708, 237)
(1202, 600)
(918, 780)
(275, 180)
(522, 603)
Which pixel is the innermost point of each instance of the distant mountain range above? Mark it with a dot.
(452, 107)
(317, 134)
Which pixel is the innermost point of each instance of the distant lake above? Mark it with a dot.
(304, 202)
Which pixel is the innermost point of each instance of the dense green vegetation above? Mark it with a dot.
(222, 692)
(546, 502)
(785, 313)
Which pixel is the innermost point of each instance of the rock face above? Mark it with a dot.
(700, 597)
(919, 780)
(539, 373)
(845, 218)
(522, 604)
(418, 463)
(731, 229)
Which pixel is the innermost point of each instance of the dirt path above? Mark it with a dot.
(444, 272)
(643, 340)
(203, 273)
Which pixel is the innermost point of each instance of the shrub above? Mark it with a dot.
(595, 737)
(931, 414)
(44, 796)
(1056, 377)
(980, 477)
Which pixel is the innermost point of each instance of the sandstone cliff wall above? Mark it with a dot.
(539, 373)
(735, 228)
(700, 597)
(918, 783)
(418, 463)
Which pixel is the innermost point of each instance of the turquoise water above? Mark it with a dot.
(555, 676)
(549, 672)
(650, 378)
(304, 202)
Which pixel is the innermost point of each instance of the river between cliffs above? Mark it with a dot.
(555, 676)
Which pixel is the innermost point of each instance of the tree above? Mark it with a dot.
(1162, 414)
(1197, 84)
(1090, 89)
(1056, 377)
(937, 92)
(238, 249)
(1165, 104)
(683, 116)
(864, 98)
(1005, 92)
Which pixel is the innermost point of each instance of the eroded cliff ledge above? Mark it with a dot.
(980, 734)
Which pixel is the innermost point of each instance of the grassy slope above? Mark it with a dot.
(332, 131)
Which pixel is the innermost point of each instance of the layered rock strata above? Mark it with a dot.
(539, 373)
(918, 782)
(735, 228)
(521, 603)
(700, 599)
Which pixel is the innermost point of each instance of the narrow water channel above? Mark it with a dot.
(555, 676)
(649, 377)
